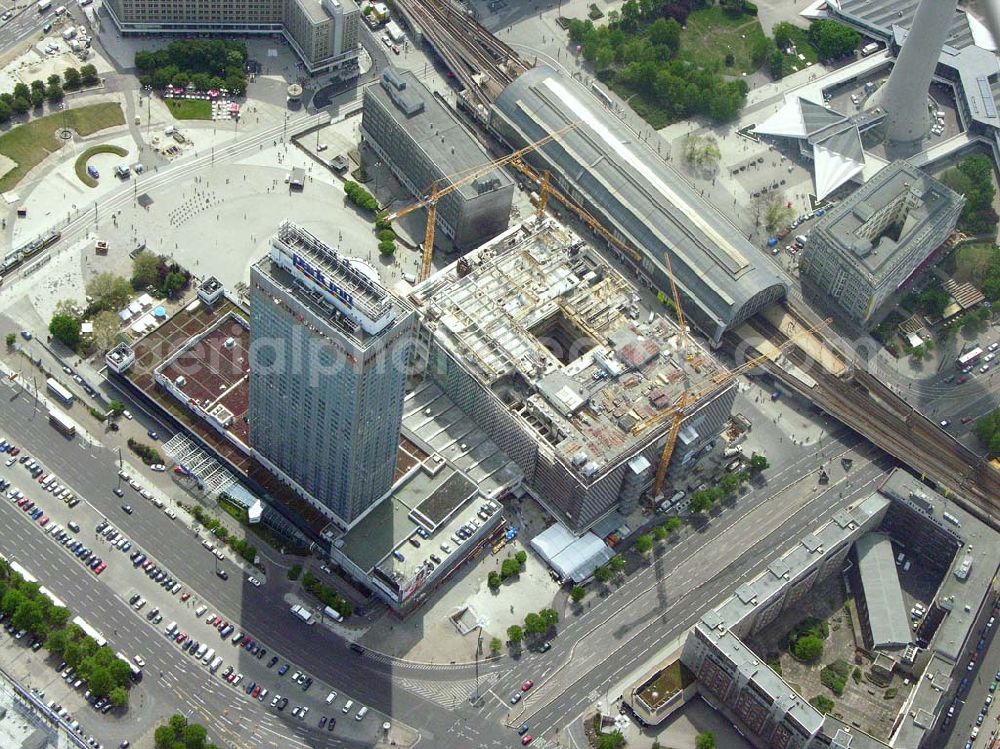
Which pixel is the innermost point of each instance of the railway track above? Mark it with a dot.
(863, 403)
(483, 63)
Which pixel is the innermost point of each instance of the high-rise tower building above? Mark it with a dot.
(904, 96)
(329, 349)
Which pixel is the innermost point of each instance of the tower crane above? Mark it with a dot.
(718, 382)
(446, 185)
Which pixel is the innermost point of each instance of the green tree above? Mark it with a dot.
(12, 600)
(776, 64)
(56, 641)
(672, 524)
(493, 581)
(118, 697)
(495, 644)
(617, 563)
(37, 97)
(177, 723)
(73, 654)
(643, 544)
(729, 483)
(163, 737)
(660, 533)
(515, 634)
(387, 248)
(705, 740)
(509, 568)
(776, 215)
(613, 740)
(808, 648)
(758, 463)
(109, 291)
(100, 682)
(116, 407)
(578, 593)
(145, 270)
(11, 340)
(88, 74)
(550, 618)
(71, 79)
(833, 39)
(22, 91)
(521, 557)
(603, 574)
(534, 625)
(29, 616)
(54, 92)
(194, 736)
(701, 501)
(106, 325)
(21, 104)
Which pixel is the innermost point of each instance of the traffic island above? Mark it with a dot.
(82, 160)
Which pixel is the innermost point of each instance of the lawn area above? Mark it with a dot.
(710, 33)
(190, 109)
(83, 158)
(791, 63)
(665, 684)
(30, 143)
(972, 261)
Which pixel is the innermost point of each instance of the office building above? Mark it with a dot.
(538, 341)
(329, 352)
(948, 544)
(626, 185)
(323, 33)
(871, 243)
(416, 135)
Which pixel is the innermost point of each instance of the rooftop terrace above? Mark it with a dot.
(540, 318)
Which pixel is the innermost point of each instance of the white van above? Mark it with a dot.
(171, 628)
(361, 713)
(347, 706)
(215, 664)
(207, 658)
(330, 698)
(201, 650)
(801, 238)
(200, 611)
(331, 613)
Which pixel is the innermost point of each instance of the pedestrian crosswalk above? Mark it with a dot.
(448, 694)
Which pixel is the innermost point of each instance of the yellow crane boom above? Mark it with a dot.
(454, 182)
(677, 413)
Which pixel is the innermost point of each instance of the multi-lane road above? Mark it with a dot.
(655, 604)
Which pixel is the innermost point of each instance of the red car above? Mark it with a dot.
(15, 450)
(43, 519)
(185, 595)
(42, 477)
(961, 379)
(256, 691)
(181, 638)
(966, 419)
(222, 624)
(527, 685)
(100, 568)
(527, 739)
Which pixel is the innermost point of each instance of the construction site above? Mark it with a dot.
(540, 341)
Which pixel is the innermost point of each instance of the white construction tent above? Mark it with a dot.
(572, 557)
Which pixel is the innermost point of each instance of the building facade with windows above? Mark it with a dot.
(323, 33)
(870, 244)
(329, 351)
(422, 142)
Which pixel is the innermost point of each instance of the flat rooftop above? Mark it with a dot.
(964, 597)
(426, 119)
(795, 563)
(438, 502)
(172, 337)
(344, 292)
(211, 371)
(887, 617)
(540, 318)
(854, 225)
(433, 420)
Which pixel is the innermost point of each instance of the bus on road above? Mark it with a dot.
(60, 392)
(62, 423)
(969, 358)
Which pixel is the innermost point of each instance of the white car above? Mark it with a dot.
(127, 414)
(138, 660)
(11, 461)
(254, 581)
(158, 467)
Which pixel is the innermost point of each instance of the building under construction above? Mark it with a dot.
(536, 338)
